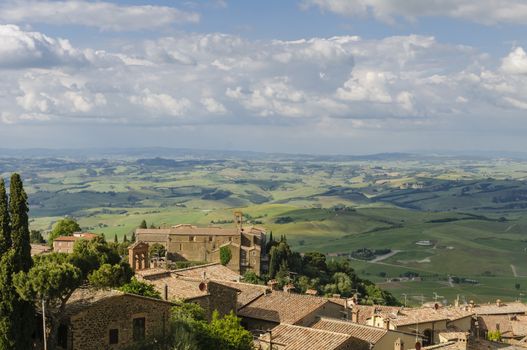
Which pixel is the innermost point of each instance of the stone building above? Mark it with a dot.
(138, 256)
(210, 295)
(64, 244)
(192, 243)
(109, 319)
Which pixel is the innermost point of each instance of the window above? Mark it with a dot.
(114, 336)
(138, 329)
(191, 238)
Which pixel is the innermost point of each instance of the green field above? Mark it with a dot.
(473, 212)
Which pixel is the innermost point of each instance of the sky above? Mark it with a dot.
(293, 76)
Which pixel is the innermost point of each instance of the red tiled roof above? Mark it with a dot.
(281, 307)
(355, 330)
(305, 338)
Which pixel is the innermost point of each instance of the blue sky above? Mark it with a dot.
(309, 76)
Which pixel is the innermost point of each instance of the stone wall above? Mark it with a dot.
(89, 329)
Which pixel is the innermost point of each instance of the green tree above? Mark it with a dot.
(111, 276)
(35, 236)
(157, 250)
(50, 282)
(143, 224)
(140, 288)
(64, 227)
(8, 298)
(5, 225)
(251, 277)
(228, 334)
(18, 211)
(494, 336)
(115, 239)
(225, 255)
(133, 237)
(23, 311)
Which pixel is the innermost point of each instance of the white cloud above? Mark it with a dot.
(482, 11)
(515, 62)
(21, 49)
(213, 106)
(99, 14)
(187, 80)
(161, 102)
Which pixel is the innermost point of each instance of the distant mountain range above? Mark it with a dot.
(185, 153)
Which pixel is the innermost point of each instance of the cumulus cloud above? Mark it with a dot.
(99, 14)
(515, 62)
(482, 11)
(21, 49)
(212, 79)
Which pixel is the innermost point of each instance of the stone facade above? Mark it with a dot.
(111, 320)
(188, 242)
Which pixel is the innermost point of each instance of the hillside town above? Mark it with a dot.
(276, 317)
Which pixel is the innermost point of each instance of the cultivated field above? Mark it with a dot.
(468, 216)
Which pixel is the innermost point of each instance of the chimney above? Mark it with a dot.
(273, 284)
(399, 345)
(165, 295)
(289, 287)
(498, 302)
(387, 323)
(471, 305)
(355, 315)
(462, 342)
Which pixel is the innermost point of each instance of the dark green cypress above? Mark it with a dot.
(18, 210)
(133, 237)
(23, 312)
(115, 240)
(5, 227)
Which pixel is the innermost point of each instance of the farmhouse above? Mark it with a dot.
(64, 244)
(187, 242)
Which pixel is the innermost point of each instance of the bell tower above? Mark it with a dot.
(238, 219)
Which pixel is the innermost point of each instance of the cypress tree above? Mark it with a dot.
(18, 210)
(23, 312)
(5, 228)
(133, 237)
(143, 224)
(115, 240)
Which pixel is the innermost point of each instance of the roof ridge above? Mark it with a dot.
(194, 267)
(313, 329)
(353, 323)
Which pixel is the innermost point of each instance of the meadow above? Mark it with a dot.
(470, 212)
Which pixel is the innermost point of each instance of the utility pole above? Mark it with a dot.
(44, 324)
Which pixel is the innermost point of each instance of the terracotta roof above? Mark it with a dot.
(190, 230)
(408, 316)
(83, 298)
(248, 291)
(214, 271)
(179, 288)
(76, 236)
(504, 308)
(305, 338)
(355, 330)
(281, 307)
(66, 239)
(510, 326)
(366, 311)
(85, 235)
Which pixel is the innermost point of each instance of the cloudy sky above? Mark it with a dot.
(310, 76)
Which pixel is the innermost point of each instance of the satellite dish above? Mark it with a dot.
(202, 286)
